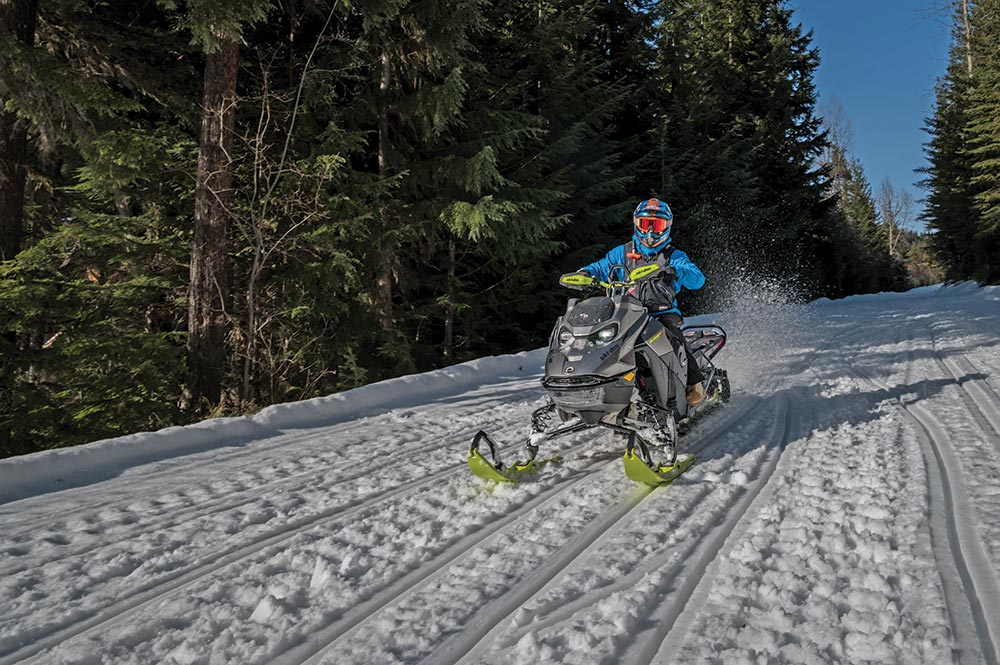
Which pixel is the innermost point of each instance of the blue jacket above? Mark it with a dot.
(689, 276)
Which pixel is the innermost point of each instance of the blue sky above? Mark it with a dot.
(881, 59)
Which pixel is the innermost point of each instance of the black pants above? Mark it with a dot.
(672, 322)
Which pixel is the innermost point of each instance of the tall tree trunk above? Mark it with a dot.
(383, 269)
(729, 37)
(250, 362)
(967, 27)
(208, 291)
(449, 316)
(17, 18)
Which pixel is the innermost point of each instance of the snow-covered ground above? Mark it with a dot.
(845, 509)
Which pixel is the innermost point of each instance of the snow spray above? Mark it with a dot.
(763, 312)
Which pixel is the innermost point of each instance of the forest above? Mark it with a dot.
(207, 207)
(963, 176)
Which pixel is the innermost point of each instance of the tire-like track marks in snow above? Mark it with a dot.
(982, 398)
(218, 559)
(233, 501)
(476, 628)
(681, 610)
(957, 543)
(321, 644)
(664, 602)
(256, 471)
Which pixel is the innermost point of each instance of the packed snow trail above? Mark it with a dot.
(845, 508)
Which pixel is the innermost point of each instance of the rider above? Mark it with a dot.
(650, 243)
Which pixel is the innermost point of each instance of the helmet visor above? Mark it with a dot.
(655, 225)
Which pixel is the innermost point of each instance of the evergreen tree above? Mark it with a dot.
(88, 307)
(950, 211)
(858, 258)
(779, 110)
(739, 139)
(964, 149)
(861, 247)
(17, 32)
(418, 59)
(96, 305)
(984, 139)
(569, 177)
(302, 217)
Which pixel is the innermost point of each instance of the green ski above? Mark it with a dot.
(638, 470)
(497, 470)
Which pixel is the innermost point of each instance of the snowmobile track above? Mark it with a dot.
(682, 609)
(249, 464)
(695, 555)
(469, 647)
(314, 651)
(977, 602)
(454, 647)
(983, 399)
(232, 501)
(658, 560)
(973, 566)
(182, 578)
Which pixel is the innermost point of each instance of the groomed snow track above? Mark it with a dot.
(845, 508)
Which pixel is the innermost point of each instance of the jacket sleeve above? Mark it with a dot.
(601, 268)
(689, 276)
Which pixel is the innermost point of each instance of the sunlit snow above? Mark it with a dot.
(845, 508)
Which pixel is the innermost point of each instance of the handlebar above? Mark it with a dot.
(582, 281)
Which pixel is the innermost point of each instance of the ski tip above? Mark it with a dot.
(637, 469)
(483, 468)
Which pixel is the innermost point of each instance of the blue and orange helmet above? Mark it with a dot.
(652, 219)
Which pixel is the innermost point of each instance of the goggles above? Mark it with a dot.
(654, 225)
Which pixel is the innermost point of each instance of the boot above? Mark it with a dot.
(695, 394)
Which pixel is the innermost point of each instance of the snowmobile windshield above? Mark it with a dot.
(591, 312)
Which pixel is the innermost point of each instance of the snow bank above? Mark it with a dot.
(946, 290)
(53, 470)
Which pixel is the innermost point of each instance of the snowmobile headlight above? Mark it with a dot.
(565, 336)
(605, 335)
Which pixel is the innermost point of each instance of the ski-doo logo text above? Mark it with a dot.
(611, 349)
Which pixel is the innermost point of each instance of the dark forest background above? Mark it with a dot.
(214, 205)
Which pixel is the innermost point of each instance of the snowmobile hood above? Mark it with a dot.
(575, 348)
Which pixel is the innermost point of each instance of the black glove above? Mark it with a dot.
(657, 290)
(667, 274)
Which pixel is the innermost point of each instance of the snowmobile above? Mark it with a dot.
(612, 364)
